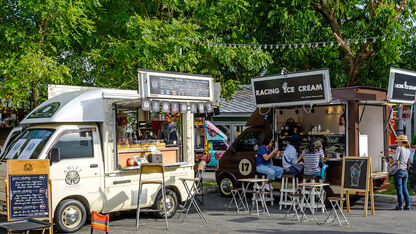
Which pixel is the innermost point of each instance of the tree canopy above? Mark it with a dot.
(103, 42)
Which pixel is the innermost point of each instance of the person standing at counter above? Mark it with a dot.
(341, 124)
(264, 163)
(121, 123)
(400, 178)
(312, 156)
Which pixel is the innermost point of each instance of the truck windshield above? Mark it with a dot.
(28, 145)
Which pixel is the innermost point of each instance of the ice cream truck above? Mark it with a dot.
(92, 169)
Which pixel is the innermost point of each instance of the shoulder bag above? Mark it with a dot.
(393, 167)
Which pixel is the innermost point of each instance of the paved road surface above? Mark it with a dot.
(386, 220)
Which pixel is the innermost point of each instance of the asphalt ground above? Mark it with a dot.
(385, 220)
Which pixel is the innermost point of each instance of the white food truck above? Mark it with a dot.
(92, 169)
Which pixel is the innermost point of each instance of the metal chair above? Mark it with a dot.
(337, 209)
(192, 191)
(296, 197)
(153, 168)
(238, 199)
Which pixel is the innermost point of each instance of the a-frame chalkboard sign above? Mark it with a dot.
(356, 177)
(28, 190)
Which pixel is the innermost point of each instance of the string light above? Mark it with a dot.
(299, 45)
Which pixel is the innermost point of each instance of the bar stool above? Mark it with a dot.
(336, 208)
(153, 168)
(285, 189)
(237, 198)
(313, 205)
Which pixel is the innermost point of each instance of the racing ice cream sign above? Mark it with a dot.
(402, 86)
(292, 89)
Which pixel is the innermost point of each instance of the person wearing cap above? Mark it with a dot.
(312, 156)
(400, 178)
(121, 123)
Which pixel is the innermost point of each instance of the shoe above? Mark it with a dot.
(398, 208)
(406, 208)
(271, 186)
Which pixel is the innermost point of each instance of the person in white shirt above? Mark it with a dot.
(290, 157)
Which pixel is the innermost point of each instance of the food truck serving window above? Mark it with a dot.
(29, 145)
(144, 136)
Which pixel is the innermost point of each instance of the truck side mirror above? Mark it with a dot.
(55, 155)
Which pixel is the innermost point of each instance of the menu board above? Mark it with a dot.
(28, 196)
(171, 85)
(356, 173)
(28, 189)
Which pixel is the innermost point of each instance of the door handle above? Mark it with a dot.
(93, 165)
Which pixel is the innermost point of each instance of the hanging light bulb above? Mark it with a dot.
(323, 44)
(316, 45)
(277, 46)
(339, 43)
(393, 37)
(374, 39)
(290, 46)
(271, 47)
(303, 45)
(365, 40)
(331, 44)
(383, 38)
(283, 46)
(296, 46)
(309, 45)
(356, 41)
(403, 36)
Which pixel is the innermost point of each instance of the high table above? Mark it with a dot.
(313, 189)
(258, 192)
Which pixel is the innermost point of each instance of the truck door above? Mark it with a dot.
(80, 169)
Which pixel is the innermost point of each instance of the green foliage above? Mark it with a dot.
(104, 42)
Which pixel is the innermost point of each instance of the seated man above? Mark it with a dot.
(290, 157)
(264, 163)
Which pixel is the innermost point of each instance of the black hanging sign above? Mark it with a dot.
(292, 89)
(170, 85)
(402, 86)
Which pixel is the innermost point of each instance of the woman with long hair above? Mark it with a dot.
(312, 156)
(400, 178)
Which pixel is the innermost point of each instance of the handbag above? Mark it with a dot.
(393, 167)
(297, 166)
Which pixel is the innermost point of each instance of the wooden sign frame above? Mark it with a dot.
(22, 167)
(368, 187)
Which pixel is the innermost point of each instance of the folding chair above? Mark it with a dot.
(337, 209)
(238, 200)
(100, 222)
(153, 168)
(193, 191)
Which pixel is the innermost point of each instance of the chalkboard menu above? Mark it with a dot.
(355, 173)
(334, 144)
(402, 86)
(175, 85)
(28, 189)
(292, 89)
(28, 196)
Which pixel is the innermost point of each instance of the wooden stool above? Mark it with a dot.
(336, 208)
(285, 189)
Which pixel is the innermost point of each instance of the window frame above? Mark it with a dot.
(74, 131)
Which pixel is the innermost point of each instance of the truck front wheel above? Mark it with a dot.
(70, 216)
(171, 203)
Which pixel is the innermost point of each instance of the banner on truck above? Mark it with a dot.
(402, 86)
(292, 89)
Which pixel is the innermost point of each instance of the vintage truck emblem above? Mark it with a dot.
(72, 177)
(27, 167)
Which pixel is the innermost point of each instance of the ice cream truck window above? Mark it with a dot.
(29, 145)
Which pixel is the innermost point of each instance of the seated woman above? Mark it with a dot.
(312, 155)
(264, 163)
(290, 157)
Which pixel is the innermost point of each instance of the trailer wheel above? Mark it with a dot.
(70, 216)
(171, 203)
(226, 183)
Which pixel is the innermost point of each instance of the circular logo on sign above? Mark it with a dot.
(27, 167)
(245, 167)
(72, 177)
(155, 85)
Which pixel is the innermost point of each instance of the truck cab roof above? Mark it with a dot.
(78, 106)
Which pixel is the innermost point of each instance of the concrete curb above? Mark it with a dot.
(391, 198)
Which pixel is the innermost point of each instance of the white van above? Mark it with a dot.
(77, 132)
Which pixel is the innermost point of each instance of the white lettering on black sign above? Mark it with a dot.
(306, 87)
